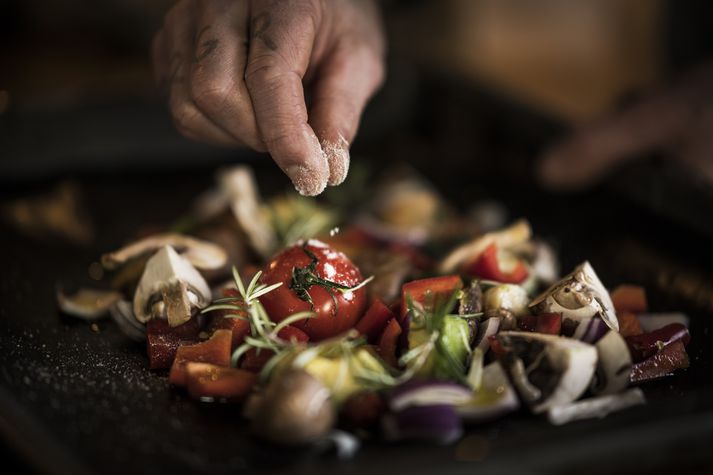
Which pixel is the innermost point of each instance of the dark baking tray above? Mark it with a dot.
(76, 401)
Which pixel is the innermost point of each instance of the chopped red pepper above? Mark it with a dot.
(374, 321)
(162, 340)
(549, 323)
(240, 327)
(389, 341)
(488, 266)
(216, 350)
(629, 298)
(629, 324)
(496, 346)
(661, 364)
(253, 360)
(435, 289)
(209, 380)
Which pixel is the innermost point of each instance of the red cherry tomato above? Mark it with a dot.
(333, 315)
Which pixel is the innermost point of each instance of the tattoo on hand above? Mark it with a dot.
(205, 47)
(258, 28)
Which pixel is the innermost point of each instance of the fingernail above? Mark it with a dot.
(337, 154)
(308, 182)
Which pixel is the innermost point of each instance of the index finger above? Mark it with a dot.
(280, 48)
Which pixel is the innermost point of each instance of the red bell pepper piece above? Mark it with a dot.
(428, 291)
(497, 347)
(488, 266)
(629, 324)
(220, 320)
(648, 344)
(162, 340)
(374, 321)
(254, 360)
(549, 323)
(629, 298)
(208, 380)
(661, 364)
(388, 342)
(215, 350)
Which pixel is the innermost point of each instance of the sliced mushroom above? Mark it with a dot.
(547, 370)
(238, 184)
(613, 365)
(578, 296)
(201, 254)
(170, 288)
(516, 233)
(87, 304)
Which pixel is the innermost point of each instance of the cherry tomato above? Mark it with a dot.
(336, 310)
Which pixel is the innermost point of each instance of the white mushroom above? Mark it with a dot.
(547, 370)
(201, 254)
(87, 304)
(613, 365)
(171, 288)
(238, 185)
(578, 296)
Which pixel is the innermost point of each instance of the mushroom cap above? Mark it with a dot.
(296, 409)
(201, 254)
(578, 296)
(174, 278)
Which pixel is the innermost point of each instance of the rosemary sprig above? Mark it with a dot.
(303, 278)
(263, 331)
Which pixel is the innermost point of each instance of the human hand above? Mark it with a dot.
(235, 73)
(678, 121)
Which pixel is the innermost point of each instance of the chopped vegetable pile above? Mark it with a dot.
(383, 328)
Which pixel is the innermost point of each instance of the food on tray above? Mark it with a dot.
(405, 325)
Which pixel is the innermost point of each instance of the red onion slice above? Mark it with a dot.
(438, 423)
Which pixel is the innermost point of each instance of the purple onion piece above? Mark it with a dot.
(438, 423)
(428, 393)
(488, 328)
(595, 330)
(581, 329)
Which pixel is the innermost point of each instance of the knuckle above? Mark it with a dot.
(210, 94)
(185, 118)
(263, 70)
